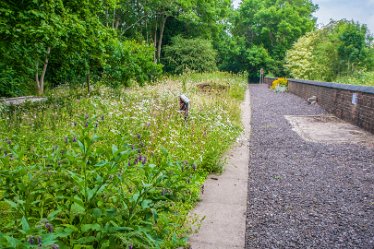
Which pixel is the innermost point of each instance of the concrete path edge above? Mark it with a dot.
(224, 202)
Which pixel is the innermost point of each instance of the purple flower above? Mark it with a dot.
(86, 125)
(130, 247)
(49, 227)
(39, 240)
(144, 160)
(31, 240)
(55, 246)
(138, 136)
(194, 166)
(74, 139)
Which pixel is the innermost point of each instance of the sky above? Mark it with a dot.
(358, 10)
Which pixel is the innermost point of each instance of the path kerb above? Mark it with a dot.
(224, 201)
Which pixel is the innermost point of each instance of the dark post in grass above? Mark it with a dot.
(184, 105)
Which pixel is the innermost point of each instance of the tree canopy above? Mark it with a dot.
(340, 48)
(121, 42)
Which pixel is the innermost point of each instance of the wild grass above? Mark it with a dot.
(117, 169)
(360, 78)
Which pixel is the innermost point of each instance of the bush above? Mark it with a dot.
(128, 61)
(186, 55)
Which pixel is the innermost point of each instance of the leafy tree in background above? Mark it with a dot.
(60, 42)
(130, 60)
(273, 25)
(340, 48)
(352, 49)
(33, 30)
(185, 55)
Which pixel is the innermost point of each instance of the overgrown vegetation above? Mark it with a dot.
(117, 169)
(358, 78)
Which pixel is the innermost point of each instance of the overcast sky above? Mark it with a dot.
(358, 10)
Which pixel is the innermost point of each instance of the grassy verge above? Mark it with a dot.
(363, 79)
(118, 169)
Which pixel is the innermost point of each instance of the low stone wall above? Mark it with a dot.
(269, 80)
(354, 104)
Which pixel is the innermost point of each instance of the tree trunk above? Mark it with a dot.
(155, 44)
(117, 23)
(162, 28)
(114, 18)
(37, 75)
(88, 81)
(40, 82)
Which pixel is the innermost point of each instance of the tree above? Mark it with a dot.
(352, 50)
(38, 29)
(274, 25)
(185, 55)
(340, 48)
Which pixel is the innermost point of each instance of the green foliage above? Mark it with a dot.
(340, 49)
(55, 42)
(257, 57)
(358, 78)
(185, 55)
(130, 60)
(274, 26)
(82, 171)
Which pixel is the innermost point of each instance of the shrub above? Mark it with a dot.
(128, 61)
(186, 55)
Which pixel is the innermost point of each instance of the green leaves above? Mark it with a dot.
(131, 178)
(186, 55)
(25, 225)
(274, 26)
(337, 49)
(90, 227)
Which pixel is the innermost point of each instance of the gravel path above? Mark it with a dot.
(303, 194)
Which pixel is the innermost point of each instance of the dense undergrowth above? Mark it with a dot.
(360, 78)
(116, 169)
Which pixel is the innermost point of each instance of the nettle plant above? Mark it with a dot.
(87, 193)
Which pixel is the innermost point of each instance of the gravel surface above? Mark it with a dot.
(303, 194)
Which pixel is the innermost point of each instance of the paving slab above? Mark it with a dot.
(224, 202)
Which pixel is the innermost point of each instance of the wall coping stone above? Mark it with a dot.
(354, 88)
